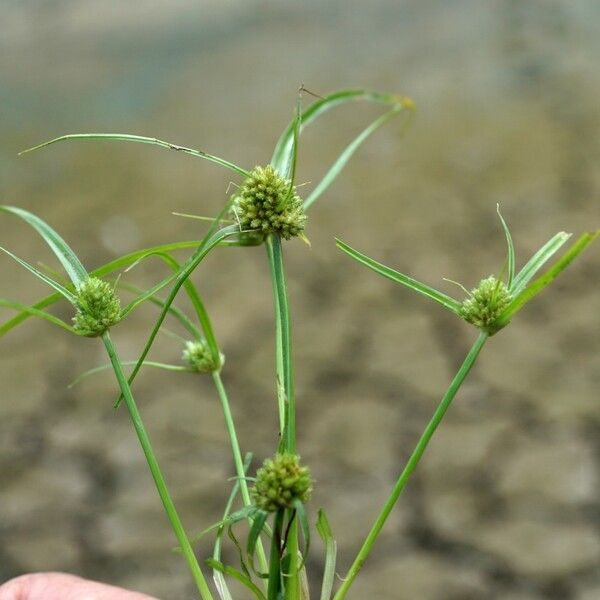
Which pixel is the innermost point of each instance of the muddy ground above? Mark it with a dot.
(505, 503)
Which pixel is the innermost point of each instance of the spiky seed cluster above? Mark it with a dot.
(486, 303)
(268, 202)
(198, 355)
(97, 308)
(280, 481)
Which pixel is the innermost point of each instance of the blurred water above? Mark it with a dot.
(506, 502)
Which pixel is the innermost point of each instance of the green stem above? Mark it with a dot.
(275, 562)
(292, 590)
(285, 388)
(413, 461)
(237, 458)
(285, 373)
(161, 486)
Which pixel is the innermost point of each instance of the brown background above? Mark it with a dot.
(505, 504)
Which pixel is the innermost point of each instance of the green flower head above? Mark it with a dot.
(269, 203)
(280, 481)
(97, 308)
(486, 303)
(197, 354)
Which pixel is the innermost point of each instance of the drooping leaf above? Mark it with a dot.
(347, 154)
(443, 299)
(140, 139)
(283, 150)
(34, 312)
(72, 265)
(129, 363)
(110, 267)
(42, 277)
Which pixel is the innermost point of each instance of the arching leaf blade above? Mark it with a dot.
(34, 312)
(347, 154)
(282, 153)
(72, 265)
(140, 139)
(41, 276)
(423, 289)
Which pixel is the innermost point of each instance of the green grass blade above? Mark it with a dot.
(510, 252)
(114, 265)
(548, 277)
(260, 519)
(347, 154)
(443, 299)
(325, 533)
(226, 512)
(72, 265)
(243, 579)
(535, 263)
(207, 244)
(128, 363)
(176, 312)
(42, 276)
(33, 312)
(303, 521)
(140, 139)
(283, 150)
(196, 301)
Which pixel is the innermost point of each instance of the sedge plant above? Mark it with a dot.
(266, 209)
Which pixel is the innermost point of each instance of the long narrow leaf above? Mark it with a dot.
(129, 363)
(34, 312)
(114, 265)
(42, 276)
(550, 275)
(72, 265)
(282, 153)
(443, 299)
(175, 311)
(140, 139)
(347, 154)
(218, 578)
(260, 518)
(324, 531)
(195, 299)
(243, 579)
(535, 263)
(207, 244)
(510, 251)
(303, 520)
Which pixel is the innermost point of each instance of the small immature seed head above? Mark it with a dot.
(486, 303)
(97, 308)
(197, 355)
(269, 203)
(280, 481)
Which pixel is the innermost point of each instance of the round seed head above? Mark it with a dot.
(486, 303)
(269, 203)
(197, 355)
(97, 308)
(280, 481)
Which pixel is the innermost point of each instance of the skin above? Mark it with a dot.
(60, 586)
